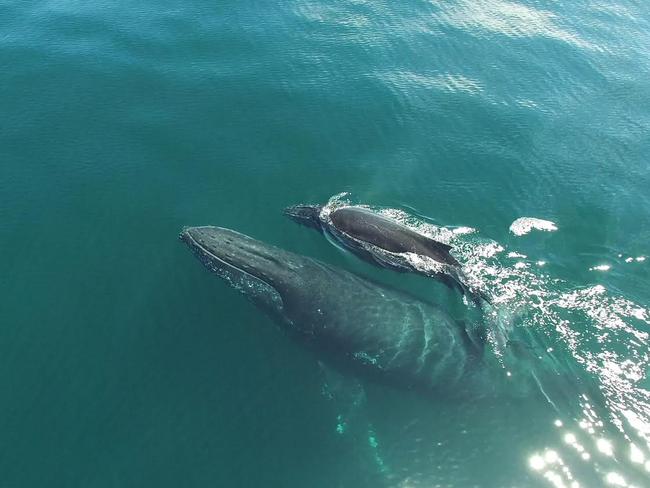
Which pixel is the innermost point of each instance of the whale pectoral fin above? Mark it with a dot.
(347, 393)
(342, 388)
(350, 398)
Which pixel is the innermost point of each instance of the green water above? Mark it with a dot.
(124, 363)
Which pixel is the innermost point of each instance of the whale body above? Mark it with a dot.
(386, 242)
(349, 322)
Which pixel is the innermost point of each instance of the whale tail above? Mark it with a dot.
(308, 215)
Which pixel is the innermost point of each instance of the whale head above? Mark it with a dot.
(308, 215)
(264, 273)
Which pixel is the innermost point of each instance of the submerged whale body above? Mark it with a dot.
(386, 242)
(348, 321)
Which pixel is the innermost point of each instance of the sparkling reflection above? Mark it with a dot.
(585, 349)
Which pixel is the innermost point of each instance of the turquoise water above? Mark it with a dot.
(124, 363)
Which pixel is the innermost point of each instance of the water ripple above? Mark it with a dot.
(510, 19)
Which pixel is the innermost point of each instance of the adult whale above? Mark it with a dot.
(386, 242)
(350, 322)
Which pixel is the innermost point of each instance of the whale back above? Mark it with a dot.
(388, 234)
(379, 332)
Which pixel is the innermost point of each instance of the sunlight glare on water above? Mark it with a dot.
(514, 130)
(596, 326)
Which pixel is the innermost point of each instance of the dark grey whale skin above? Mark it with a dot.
(375, 229)
(352, 225)
(348, 321)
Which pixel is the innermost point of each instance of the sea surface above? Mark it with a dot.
(517, 131)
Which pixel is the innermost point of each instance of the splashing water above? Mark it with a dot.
(524, 225)
(584, 347)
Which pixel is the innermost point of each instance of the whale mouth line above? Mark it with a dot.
(198, 247)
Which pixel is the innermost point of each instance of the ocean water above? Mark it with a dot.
(123, 363)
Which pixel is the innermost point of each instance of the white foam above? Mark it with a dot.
(516, 255)
(468, 230)
(524, 225)
(601, 267)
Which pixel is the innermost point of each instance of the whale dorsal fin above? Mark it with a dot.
(437, 246)
(439, 249)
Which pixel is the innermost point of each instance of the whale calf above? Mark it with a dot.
(350, 322)
(386, 242)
